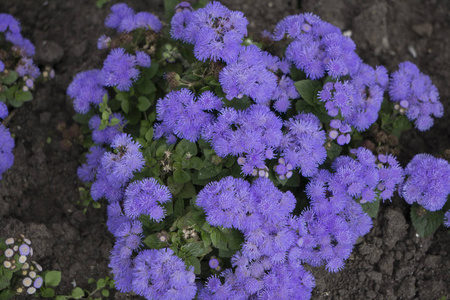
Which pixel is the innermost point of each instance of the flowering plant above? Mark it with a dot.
(227, 168)
(17, 78)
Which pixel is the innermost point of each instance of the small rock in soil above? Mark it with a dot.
(49, 53)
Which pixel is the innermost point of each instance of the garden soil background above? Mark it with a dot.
(39, 195)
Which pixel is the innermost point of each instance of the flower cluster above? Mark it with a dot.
(20, 47)
(427, 182)
(124, 19)
(215, 31)
(18, 254)
(416, 95)
(160, 274)
(183, 116)
(263, 268)
(120, 68)
(318, 48)
(6, 148)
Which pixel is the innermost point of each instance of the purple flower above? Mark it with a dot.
(303, 144)
(215, 31)
(447, 218)
(119, 70)
(3, 110)
(103, 42)
(86, 89)
(146, 197)
(249, 75)
(87, 171)
(183, 115)
(143, 59)
(411, 87)
(2, 66)
(26, 67)
(427, 182)
(6, 147)
(160, 274)
(118, 13)
(9, 23)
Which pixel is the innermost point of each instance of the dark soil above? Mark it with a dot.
(39, 194)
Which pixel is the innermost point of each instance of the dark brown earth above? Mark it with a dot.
(39, 194)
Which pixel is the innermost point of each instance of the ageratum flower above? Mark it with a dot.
(86, 89)
(252, 133)
(303, 144)
(250, 75)
(146, 197)
(86, 172)
(160, 274)
(427, 182)
(117, 168)
(3, 110)
(215, 31)
(319, 48)
(6, 147)
(416, 93)
(118, 12)
(119, 70)
(184, 116)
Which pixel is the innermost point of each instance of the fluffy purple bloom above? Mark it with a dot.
(391, 175)
(118, 13)
(160, 274)
(252, 133)
(26, 67)
(2, 66)
(427, 182)
(119, 70)
(117, 168)
(6, 147)
(409, 85)
(9, 23)
(3, 110)
(447, 218)
(143, 59)
(283, 93)
(20, 44)
(303, 144)
(103, 42)
(107, 135)
(318, 48)
(143, 20)
(249, 75)
(86, 89)
(184, 116)
(86, 172)
(215, 31)
(146, 197)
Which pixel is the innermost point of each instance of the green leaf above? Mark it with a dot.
(196, 163)
(7, 294)
(149, 135)
(195, 262)
(195, 249)
(5, 277)
(308, 89)
(426, 222)
(105, 116)
(105, 293)
(371, 208)
(184, 147)
(174, 187)
(152, 241)
(178, 207)
(218, 239)
(207, 172)
(334, 151)
(10, 78)
(91, 280)
(101, 283)
(60, 298)
(47, 292)
(125, 105)
(188, 191)
(181, 176)
(146, 87)
(114, 121)
(143, 103)
(52, 278)
(77, 293)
